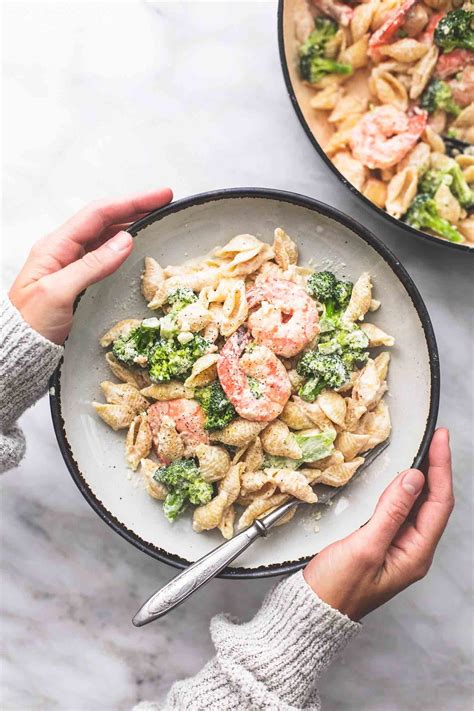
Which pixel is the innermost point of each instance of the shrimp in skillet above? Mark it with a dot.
(255, 381)
(188, 419)
(287, 318)
(383, 137)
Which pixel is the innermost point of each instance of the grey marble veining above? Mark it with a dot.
(110, 97)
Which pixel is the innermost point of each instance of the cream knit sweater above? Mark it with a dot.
(271, 662)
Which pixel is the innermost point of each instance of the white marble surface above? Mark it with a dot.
(108, 97)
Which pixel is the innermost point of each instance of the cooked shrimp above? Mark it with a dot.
(391, 25)
(287, 318)
(188, 419)
(383, 137)
(255, 382)
(452, 62)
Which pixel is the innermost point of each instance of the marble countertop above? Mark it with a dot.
(111, 97)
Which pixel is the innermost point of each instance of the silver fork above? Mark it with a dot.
(210, 565)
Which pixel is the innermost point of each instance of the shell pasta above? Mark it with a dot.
(251, 381)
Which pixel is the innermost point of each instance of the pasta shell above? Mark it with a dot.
(286, 251)
(357, 54)
(349, 105)
(138, 442)
(194, 280)
(327, 98)
(361, 19)
(422, 72)
(367, 385)
(226, 525)
(121, 328)
(210, 515)
(193, 318)
(405, 50)
(294, 417)
(168, 391)
(153, 284)
(135, 377)
(294, 483)
(466, 227)
(238, 433)
(204, 371)
(376, 336)
(381, 364)
(418, 157)
(350, 444)
(253, 456)
(376, 191)
(434, 140)
(388, 89)
(168, 443)
(295, 379)
(360, 299)
(336, 457)
(258, 507)
(333, 405)
(374, 305)
(116, 416)
(235, 309)
(340, 474)
(246, 263)
(239, 244)
(277, 440)
(253, 481)
(156, 490)
(314, 412)
(376, 424)
(352, 169)
(124, 394)
(214, 462)
(448, 207)
(354, 412)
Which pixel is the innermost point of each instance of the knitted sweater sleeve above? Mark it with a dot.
(27, 361)
(270, 663)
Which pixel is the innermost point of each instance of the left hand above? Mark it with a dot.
(88, 247)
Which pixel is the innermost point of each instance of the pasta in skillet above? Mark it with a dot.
(281, 394)
(397, 77)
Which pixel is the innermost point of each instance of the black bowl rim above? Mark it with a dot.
(378, 210)
(315, 206)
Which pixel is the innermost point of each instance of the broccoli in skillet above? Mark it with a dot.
(219, 411)
(322, 371)
(184, 484)
(134, 348)
(438, 95)
(169, 358)
(333, 294)
(452, 176)
(314, 64)
(455, 30)
(423, 214)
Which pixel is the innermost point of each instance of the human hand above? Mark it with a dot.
(396, 547)
(88, 247)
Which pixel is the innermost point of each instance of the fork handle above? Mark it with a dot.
(203, 570)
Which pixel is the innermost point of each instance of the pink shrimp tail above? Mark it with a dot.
(385, 33)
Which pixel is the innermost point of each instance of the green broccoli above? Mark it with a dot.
(219, 411)
(322, 371)
(134, 347)
(455, 30)
(181, 297)
(423, 214)
(313, 63)
(438, 95)
(354, 358)
(169, 358)
(452, 176)
(349, 341)
(184, 483)
(333, 294)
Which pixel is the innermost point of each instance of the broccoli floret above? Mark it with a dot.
(423, 214)
(135, 347)
(333, 294)
(451, 176)
(313, 64)
(322, 371)
(455, 30)
(348, 337)
(170, 359)
(181, 297)
(184, 484)
(354, 358)
(438, 95)
(219, 411)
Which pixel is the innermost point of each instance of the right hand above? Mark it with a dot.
(396, 547)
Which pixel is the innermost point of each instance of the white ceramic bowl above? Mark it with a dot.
(189, 228)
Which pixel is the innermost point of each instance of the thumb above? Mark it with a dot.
(394, 507)
(93, 266)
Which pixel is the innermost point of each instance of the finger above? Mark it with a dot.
(92, 267)
(107, 234)
(92, 219)
(393, 508)
(436, 508)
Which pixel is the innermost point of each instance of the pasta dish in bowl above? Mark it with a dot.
(202, 386)
(385, 91)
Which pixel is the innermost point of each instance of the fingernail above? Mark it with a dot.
(120, 242)
(413, 482)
